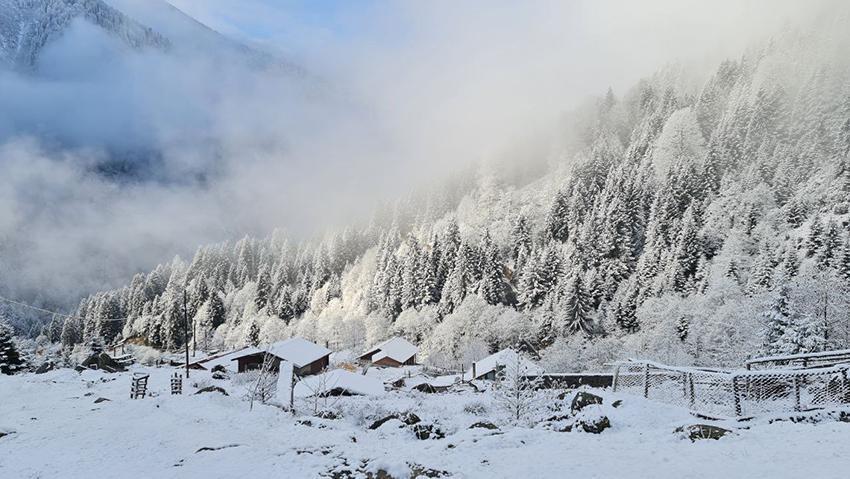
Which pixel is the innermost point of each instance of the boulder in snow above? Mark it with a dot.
(427, 431)
(484, 425)
(212, 389)
(45, 367)
(583, 399)
(430, 388)
(407, 418)
(696, 432)
(594, 425)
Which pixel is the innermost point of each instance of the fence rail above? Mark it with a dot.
(826, 358)
(735, 393)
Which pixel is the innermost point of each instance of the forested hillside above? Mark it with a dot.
(694, 220)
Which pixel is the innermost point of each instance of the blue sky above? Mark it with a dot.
(297, 27)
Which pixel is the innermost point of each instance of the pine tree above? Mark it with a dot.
(830, 246)
(779, 333)
(461, 281)
(493, 288)
(539, 277)
(688, 251)
(522, 244)
(263, 289)
(200, 294)
(790, 265)
(254, 334)
(172, 327)
(702, 275)
(217, 312)
(625, 307)
(809, 334)
(814, 242)
(683, 328)
(284, 307)
(71, 332)
(10, 358)
(428, 279)
(411, 287)
(449, 243)
(732, 271)
(575, 305)
(795, 213)
(762, 270)
(557, 227)
(843, 260)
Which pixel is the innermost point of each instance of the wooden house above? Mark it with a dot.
(307, 358)
(394, 352)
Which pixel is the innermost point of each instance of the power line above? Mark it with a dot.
(36, 308)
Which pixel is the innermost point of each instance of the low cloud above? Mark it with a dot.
(390, 95)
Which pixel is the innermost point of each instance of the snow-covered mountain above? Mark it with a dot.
(190, 36)
(27, 26)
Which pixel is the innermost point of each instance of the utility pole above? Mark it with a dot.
(194, 340)
(186, 332)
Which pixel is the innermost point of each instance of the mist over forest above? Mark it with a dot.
(581, 180)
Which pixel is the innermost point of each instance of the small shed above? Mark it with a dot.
(307, 358)
(394, 352)
(490, 366)
(339, 382)
(220, 359)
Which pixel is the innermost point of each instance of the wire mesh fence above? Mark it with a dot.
(735, 393)
(805, 360)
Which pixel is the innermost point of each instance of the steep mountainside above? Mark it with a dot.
(26, 26)
(699, 223)
(193, 37)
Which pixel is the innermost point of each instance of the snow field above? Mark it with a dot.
(57, 430)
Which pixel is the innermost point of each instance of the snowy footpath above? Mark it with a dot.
(55, 425)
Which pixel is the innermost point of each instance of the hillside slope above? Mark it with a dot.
(27, 26)
(699, 223)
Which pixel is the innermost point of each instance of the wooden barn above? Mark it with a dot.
(307, 358)
(394, 352)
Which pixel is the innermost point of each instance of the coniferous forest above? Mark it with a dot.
(693, 219)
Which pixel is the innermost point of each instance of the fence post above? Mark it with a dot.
(844, 385)
(736, 391)
(646, 380)
(616, 378)
(176, 384)
(691, 389)
(797, 392)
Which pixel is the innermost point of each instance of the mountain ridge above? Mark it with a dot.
(27, 26)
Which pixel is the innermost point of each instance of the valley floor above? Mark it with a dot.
(53, 428)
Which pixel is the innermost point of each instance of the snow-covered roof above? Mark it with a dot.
(505, 357)
(298, 351)
(397, 348)
(339, 379)
(439, 381)
(224, 359)
(389, 375)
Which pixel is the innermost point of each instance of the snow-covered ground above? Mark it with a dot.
(54, 428)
